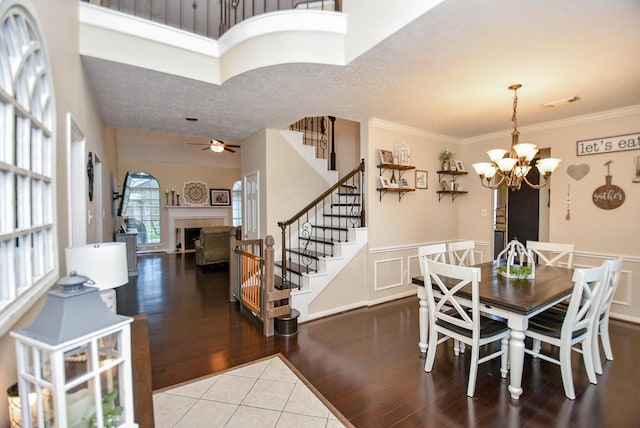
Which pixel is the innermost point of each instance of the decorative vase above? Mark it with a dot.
(445, 165)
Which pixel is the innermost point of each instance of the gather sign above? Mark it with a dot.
(618, 143)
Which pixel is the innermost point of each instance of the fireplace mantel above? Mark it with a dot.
(206, 213)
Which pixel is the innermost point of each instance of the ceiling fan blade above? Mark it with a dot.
(229, 150)
(231, 145)
(206, 148)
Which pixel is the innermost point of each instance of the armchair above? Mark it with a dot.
(213, 245)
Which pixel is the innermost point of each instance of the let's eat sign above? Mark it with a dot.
(618, 143)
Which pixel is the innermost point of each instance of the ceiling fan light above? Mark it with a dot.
(526, 150)
(548, 165)
(216, 148)
(506, 164)
(496, 154)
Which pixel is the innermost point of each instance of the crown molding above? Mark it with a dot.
(577, 120)
(392, 126)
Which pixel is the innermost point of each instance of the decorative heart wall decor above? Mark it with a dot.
(578, 172)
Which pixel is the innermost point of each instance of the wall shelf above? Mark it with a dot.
(401, 191)
(450, 188)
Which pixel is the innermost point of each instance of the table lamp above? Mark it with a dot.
(105, 263)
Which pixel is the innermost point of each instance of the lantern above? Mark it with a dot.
(74, 361)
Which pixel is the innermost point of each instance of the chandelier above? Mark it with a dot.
(512, 170)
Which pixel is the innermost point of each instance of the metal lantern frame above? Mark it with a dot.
(74, 364)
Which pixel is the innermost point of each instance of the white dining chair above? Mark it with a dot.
(437, 252)
(450, 319)
(552, 253)
(574, 327)
(601, 329)
(461, 253)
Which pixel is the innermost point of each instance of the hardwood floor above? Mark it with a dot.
(366, 362)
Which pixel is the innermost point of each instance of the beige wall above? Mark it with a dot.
(58, 24)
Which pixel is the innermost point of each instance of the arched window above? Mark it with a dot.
(236, 203)
(28, 240)
(141, 208)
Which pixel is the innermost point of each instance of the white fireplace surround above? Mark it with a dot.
(181, 217)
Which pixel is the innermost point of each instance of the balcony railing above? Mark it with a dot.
(209, 18)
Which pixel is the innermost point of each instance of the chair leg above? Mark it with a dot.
(504, 358)
(604, 336)
(587, 356)
(431, 349)
(565, 369)
(473, 371)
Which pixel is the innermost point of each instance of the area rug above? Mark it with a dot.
(269, 392)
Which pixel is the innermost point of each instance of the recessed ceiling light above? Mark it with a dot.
(561, 102)
(191, 119)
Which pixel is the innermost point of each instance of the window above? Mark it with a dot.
(142, 207)
(236, 203)
(28, 241)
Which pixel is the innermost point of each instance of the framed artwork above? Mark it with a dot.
(445, 185)
(404, 183)
(220, 197)
(459, 166)
(386, 157)
(194, 193)
(384, 182)
(421, 179)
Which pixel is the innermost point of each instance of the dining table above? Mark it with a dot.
(514, 299)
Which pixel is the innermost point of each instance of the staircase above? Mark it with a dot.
(322, 238)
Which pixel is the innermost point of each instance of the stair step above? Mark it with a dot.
(296, 268)
(286, 285)
(336, 228)
(346, 205)
(339, 193)
(342, 215)
(323, 241)
(306, 253)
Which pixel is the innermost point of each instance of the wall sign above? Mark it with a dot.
(609, 196)
(618, 143)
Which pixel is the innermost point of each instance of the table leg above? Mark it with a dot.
(516, 362)
(423, 320)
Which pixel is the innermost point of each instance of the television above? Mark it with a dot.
(124, 195)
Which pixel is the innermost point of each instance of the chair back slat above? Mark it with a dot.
(552, 253)
(461, 253)
(435, 252)
(585, 298)
(615, 270)
(449, 280)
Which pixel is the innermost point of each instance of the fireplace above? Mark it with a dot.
(191, 234)
(184, 218)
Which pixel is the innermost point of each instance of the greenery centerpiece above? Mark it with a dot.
(446, 156)
(515, 261)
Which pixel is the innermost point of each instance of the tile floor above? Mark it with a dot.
(263, 394)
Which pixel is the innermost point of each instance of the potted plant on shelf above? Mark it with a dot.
(445, 157)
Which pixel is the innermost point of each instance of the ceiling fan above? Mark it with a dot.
(217, 146)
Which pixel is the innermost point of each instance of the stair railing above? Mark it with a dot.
(319, 132)
(324, 221)
(209, 18)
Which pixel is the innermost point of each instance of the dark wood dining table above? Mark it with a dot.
(515, 300)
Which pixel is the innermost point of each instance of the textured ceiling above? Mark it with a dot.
(447, 72)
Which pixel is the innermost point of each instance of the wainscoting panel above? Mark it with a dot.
(388, 273)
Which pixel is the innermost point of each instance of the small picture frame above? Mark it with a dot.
(384, 183)
(459, 166)
(445, 185)
(421, 179)
(386, 157)
(404, 182)
(220, 197)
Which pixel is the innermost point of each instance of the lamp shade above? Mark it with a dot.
(105, 263)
